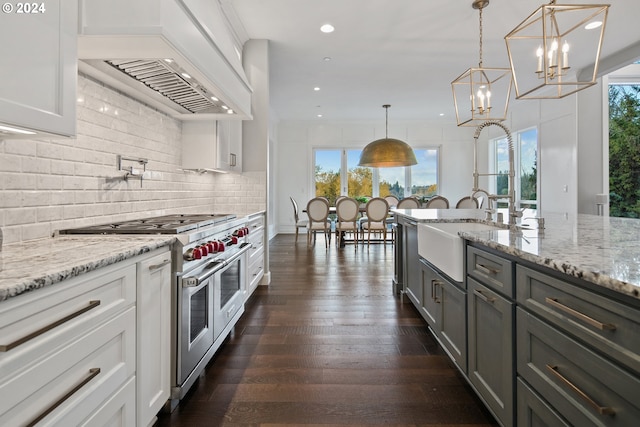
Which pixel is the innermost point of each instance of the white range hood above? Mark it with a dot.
(175, 55)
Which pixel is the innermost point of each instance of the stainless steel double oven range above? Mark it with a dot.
(209, 268)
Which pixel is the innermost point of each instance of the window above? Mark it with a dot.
(624, 148)
(525, 145)
(327, 174)
(357, 181)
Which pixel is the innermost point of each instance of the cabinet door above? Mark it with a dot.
(453, 322)
(412, 285)
(229, 137)
(431, 307)
(39, 49)
(199, 145)
(490, 330)
(154, 336)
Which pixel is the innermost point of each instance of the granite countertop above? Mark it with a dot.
(44, 262)
(601, 250)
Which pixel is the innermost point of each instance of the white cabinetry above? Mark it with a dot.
(92, 350)
(255, 264)
(38, 84)
(68, 348)
(154, 336)
(212, 145)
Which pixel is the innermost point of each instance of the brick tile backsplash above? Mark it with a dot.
(52, 183)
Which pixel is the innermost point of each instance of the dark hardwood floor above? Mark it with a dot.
(328, 344)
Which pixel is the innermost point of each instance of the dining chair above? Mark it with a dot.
(408, 203)
(318, 213)
(467, 203)
(376, 210)
(300, 223)
(391, 200)
(437, 202)
(347, 211)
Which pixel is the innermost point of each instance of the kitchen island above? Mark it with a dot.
(545, 324)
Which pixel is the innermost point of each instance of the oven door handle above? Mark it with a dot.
(195, 281)
(244, 247)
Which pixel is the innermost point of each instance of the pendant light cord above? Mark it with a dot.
(386, 121)
(480, 63)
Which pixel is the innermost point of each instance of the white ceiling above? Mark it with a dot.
(399, 52)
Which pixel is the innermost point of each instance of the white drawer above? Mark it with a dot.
(256, 222)
(256, 269)
(118, 411)
(66, 387)
(36, 324)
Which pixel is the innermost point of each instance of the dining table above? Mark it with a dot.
(332, 210)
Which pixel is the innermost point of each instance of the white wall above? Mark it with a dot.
(570, 157)
(296, 140)
(48, 184)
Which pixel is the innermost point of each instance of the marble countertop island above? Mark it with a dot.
(602, 250)
(44, 262)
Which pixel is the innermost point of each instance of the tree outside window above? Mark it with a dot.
(525, 144)
(329, 178)
(624, 150)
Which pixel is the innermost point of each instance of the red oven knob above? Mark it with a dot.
(246, 231)
(205, 250)
(211, 247)
(234, 240)
(220, 246)
(191, 254)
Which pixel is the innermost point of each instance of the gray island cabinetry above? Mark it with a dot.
(545, 325)
(443, 307)
(490, 320)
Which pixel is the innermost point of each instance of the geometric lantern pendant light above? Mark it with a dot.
(556, 50)
(481, 94)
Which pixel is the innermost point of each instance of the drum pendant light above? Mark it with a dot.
(387, 152)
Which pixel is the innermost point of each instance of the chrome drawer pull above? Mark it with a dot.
(589, 320)
(162, 264)
(93, 372)
(434, 293)
(602, 410)
(483, 297)
(32, 335)
(486, 270)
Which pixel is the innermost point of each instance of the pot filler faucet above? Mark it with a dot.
(514, 214)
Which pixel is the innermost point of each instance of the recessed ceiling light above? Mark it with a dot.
(327, 28)
(593, 25)
(319, 115)
(213, 98)
(441, 114)
(186, 76)
(326, 58)
(229, 111)
(316, 88)
(224, 107)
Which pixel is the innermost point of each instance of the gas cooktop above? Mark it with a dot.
(166, 224)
